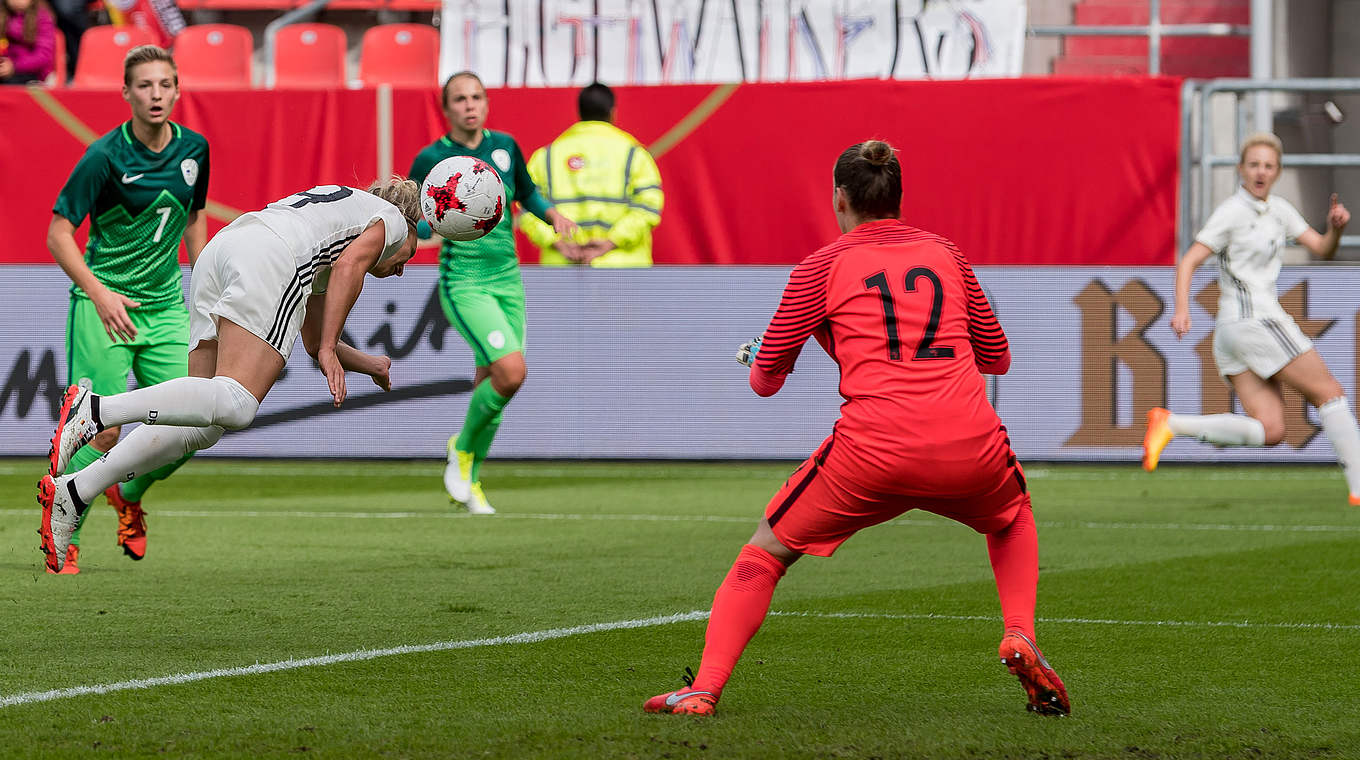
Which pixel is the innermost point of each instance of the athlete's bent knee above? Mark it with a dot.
(234, 407)
(1275, 431)
(203, 438)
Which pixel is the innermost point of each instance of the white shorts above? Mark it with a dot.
(244, 275)
(1263, 345)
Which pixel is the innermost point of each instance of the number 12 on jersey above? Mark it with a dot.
(925, 348)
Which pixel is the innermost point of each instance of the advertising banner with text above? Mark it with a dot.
(639, 364)
(547, 43)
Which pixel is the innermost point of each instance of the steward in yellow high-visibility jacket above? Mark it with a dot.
(601, 177)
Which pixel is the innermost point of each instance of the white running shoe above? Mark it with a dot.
(477, 504)
(458, 475)
(60, 513)
(76, 427)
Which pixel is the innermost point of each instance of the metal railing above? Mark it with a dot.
(1198, 158)
(1154, 30)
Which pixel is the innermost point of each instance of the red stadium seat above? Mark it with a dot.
(402, 55)
(102, 49)
(309, 55)
(214, 55)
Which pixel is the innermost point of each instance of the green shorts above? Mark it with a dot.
(490, 318)
(160, 351)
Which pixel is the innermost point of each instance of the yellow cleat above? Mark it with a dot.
(1157, 437)
(458, 475)
(477, 503)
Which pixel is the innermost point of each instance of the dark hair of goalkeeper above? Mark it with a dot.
(871, 177)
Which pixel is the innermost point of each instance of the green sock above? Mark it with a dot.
(484, 405)
(87, 456)
(482, 446)
(135, 488)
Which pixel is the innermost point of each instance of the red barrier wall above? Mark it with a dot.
(1016, 171)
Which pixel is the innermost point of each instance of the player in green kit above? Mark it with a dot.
(144, 186)
(479, 282)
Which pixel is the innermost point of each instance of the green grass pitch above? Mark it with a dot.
(1197, 612)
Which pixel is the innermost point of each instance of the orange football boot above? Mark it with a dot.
(1157, 437)
(72, 554)
(131, 522)
(1047, 695)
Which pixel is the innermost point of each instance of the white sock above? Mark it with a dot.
(186, 401)
(141, 451)
(1220, 429)
(1339, 425)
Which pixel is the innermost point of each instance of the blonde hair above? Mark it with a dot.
(1262, 138)
(147, 54)
(400, 192)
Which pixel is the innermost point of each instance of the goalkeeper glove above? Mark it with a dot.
(746, 352)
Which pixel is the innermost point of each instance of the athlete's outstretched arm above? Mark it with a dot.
(352, 359)
(195, 235)
(801, 311)
(112, 307)
(1196, 254)
(346, 281)
(991, 350)
(1324, 246)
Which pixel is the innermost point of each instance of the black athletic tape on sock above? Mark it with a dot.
(71, 489)
(94, 412)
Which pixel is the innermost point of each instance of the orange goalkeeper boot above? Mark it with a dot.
(686, 701)
(131, 522)
(1047, 695)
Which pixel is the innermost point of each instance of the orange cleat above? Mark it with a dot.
(72, 554)
(1047, 695)
(1355, 500)
(685, 701)
(131, 522)
(1156, 438)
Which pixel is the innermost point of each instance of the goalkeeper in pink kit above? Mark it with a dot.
(902, 314)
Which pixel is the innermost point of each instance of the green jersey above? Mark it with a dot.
(491, 258)
(138, 202)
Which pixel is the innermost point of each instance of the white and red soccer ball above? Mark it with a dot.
(462, 198)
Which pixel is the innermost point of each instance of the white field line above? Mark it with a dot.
(900, 522)
(533, 637)
(1314, 471)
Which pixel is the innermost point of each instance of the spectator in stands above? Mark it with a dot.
(73, 18)
(607, 181)
(1257, 346)
(28, 42)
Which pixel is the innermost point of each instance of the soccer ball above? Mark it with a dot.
(462, 198)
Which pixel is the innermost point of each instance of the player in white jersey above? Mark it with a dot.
(1257, 346)
(295, 267)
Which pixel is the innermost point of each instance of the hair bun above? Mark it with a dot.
(876, 152)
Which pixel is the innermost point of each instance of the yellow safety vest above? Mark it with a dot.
(606, 182)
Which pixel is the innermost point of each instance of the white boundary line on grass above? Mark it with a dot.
(900, 522)
(533, 637)
(530, 637)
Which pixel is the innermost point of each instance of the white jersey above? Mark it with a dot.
(1247, 234)
(317, 224)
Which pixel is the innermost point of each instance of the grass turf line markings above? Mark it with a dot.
(529, 637)
(533, 637)
(900, 522)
